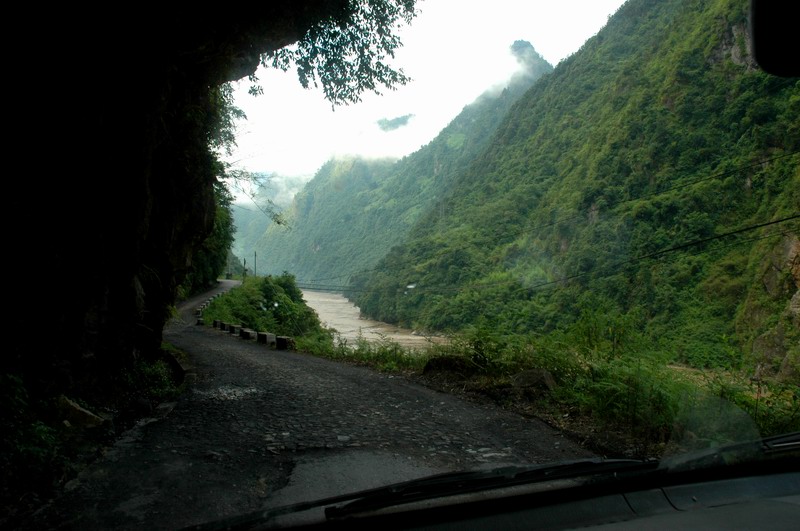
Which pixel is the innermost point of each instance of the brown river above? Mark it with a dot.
(338, 313)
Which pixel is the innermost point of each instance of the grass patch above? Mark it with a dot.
(634, 402)
(384, 355)
(598, 379)
(154, 380)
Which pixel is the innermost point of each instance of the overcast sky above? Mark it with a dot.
(454, 50)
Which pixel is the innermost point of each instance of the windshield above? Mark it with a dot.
(605, 240)
(350, 245)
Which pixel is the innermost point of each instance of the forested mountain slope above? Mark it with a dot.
(354, 210)
(647, 191)
(253, 214)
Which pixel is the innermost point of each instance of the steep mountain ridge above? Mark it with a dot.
(607, 193)
(352, 212)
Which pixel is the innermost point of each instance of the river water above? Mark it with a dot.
(338, 313)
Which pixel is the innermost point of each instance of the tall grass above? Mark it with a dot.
(605, 374)
(384, 354)
(634, 392)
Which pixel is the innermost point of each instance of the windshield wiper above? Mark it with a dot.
(439, 486)
(451, 484)
(780, 443)
(589, 471)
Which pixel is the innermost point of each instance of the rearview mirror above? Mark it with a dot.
(773, 28)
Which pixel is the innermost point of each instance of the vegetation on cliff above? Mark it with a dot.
(354, 210)
(129, 209)
(271, 304)
(646, 191)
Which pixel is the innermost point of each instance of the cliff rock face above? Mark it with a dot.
(115, 115)
(776, 349)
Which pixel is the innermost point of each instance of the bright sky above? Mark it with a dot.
(454, 50)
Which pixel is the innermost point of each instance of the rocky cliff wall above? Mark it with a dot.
(114, 112)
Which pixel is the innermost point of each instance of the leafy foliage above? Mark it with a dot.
(383, 355)
(270, 304)
(29, 450)
(629, 194)
(348, 55)
(210, 259)
(150, 380)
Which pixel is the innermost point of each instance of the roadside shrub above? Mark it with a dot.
(151, 379)
(773, 406)
(556, 354)
(243, 305)
(384, 355)
(271, 304)
(632, 392)
(319, 344)
(30, 445)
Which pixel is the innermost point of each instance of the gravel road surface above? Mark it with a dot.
(261, 428)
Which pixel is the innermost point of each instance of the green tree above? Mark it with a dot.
(347, 54)
(598, 180)
(210, 259)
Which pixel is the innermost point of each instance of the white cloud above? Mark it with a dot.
(453, 51)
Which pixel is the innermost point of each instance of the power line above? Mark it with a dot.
(583, 213)
(662, 252)
(616, 265)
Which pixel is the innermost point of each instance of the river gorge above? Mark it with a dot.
(336, 312)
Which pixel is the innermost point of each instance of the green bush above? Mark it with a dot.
(272, 304)
(384, 355)
(632, 392)
(773, 406)
(30, 445)
(151, 379)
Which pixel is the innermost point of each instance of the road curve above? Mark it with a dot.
(262, 428)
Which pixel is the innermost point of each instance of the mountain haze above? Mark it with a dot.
(646, 191)
(353, 210)
(252, 216)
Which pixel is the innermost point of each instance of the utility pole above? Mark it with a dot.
(255, 264)
(244, 269)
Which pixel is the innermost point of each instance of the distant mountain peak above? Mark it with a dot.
(390, 124)
(525, 53)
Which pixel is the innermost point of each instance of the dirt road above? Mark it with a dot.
(262, 428)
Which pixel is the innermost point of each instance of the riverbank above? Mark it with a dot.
(338, 313)
(258, 428)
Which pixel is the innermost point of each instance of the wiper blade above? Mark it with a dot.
(455, 483)
(779, 443)
(436, 486)
(450, 484)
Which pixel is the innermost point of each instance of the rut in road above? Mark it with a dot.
(250, 415)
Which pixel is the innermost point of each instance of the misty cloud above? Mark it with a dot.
(395, 123)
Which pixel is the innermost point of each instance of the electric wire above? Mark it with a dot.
(583, 213)
(616, 265)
